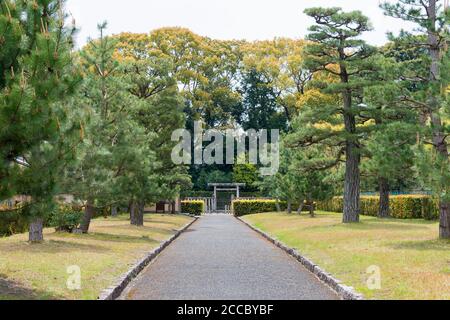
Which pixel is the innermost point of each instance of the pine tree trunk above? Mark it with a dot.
(312, 210)
(277, 205)
(353, 158)
(444, 206)
(444, 226)
(141, 213)
(133, 209)
(439, 137)
(89, 211)
(36, 230)
(130, 207)
(178, 205)
(311, 206)
(352, 185)
(114, 211)
(289, 206)
(137, 213)
(300, 207)
(384, 210)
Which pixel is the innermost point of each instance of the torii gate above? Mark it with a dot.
(235, 187)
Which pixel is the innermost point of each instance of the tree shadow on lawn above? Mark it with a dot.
(144, 229)
(66, 242)
(372, 219)
(403, 221)
(435, 245)
(50, 246)
(121, 238)
(147, 220)
(150, 221)
(10, 290)
(367, 226)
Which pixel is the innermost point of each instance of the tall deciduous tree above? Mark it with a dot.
(205, 70)
(432, 21)
(279, 63)
(36, 74)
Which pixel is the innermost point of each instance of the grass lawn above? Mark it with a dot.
(414, 263)
(40, 271)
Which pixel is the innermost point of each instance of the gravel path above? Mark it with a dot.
(219, 258)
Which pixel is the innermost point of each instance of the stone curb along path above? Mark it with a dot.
(116, 290)
(345, 292)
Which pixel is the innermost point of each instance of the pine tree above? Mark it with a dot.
(388, 150)
(36, 74)
(259, 108)
(112, 149)
(390, 158)
(159, 112)
(136, 179)
(336, 49)
(298, 181)
(432, 21)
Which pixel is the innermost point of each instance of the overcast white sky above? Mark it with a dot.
(220, 19)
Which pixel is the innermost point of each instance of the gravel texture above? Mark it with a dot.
(219, 258)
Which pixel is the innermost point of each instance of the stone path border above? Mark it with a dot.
(113, 292)
(344, 292)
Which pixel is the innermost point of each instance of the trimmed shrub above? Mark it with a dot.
(245, 207)
(66, 218)
(333, 205)
(12, 222)
(194, 207)
(402, 207)
(63, 218)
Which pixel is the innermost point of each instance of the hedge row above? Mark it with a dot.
(402, 207)
(210, 194)
(245, 207)
(194, 207)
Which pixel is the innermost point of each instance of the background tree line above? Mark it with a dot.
(97, 122)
